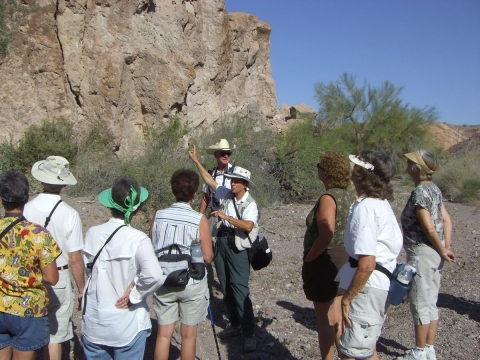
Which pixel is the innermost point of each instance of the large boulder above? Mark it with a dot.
(131, 64)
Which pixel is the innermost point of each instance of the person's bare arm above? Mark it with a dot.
(206, 240)
(50, 273)
(207, 177)
(77, 268)
(325, 218)
(447, 228)
(366, 265)
(430, 232)
(204, 203)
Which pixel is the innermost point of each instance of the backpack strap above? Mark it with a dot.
(354, 264)
(47, 220)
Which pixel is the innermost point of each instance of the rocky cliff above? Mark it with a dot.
(128, 64)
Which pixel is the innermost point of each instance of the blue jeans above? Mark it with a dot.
(23, 333)
(132, 351)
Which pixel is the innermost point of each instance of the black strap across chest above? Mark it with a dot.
(9, 227)
(91, 264)
(47, 220)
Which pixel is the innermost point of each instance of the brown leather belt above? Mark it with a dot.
(64, 267)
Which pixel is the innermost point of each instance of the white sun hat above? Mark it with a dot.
(240, 173)
(54, 170)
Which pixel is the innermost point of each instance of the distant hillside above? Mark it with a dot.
(455, 137)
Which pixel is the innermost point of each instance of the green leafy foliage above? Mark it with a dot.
(368, 117)
(52, 137)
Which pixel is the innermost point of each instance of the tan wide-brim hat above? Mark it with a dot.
(222, 145)
(240, 173)
(54, 170)
(416, 157)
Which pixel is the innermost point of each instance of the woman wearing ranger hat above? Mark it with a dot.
(238, 216)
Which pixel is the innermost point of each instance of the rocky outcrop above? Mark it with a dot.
(131, 64)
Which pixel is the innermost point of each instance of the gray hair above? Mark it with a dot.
(431, 161)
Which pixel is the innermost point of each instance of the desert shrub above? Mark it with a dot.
(458, 176)
(51, 137)
(298, 153)
(255, 151)
(8, 159)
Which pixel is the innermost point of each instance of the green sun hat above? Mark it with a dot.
(105, 198)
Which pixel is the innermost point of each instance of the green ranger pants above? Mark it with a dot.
(233, 271)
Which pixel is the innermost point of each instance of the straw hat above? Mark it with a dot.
(54, 170)
(221, 145)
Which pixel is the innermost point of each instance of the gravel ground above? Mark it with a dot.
(286, 325)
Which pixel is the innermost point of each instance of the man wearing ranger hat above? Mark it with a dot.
(222, 152)
(64, 223)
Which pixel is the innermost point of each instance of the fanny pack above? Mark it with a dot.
(176, 267)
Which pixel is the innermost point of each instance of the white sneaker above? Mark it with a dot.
(430, 352)
(412, 355)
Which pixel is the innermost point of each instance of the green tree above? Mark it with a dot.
(366, 116)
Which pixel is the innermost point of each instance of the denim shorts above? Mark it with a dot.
(23, 333)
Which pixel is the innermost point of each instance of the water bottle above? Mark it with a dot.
(400, 285)
(197, 270)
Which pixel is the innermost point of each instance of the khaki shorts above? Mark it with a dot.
(60, 308)
(189, 304)
(367, 315)
(423, 295)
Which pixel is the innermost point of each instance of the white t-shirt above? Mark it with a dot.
(65, 224)
(127, 257)
(372, 229)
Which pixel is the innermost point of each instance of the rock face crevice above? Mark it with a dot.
(131, 64)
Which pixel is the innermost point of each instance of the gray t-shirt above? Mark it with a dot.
(428, 196)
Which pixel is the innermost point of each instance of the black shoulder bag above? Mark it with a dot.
(91, 264)
(259, 254)
(176, 267)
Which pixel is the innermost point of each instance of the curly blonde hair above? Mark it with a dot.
(337, 168)
(376, 183)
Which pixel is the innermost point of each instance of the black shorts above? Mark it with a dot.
(318, 279)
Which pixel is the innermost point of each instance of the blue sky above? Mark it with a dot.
(431, 48)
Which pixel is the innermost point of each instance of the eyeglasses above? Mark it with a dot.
(319, 166)
(225, 153)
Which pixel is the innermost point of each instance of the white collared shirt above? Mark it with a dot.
(65, 224)
(129, 255)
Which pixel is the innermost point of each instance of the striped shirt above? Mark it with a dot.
(178, 224)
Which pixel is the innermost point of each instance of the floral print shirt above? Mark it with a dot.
(428, 196)
(24, 251)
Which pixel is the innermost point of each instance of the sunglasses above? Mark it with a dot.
(225, 153)
(319, 166)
